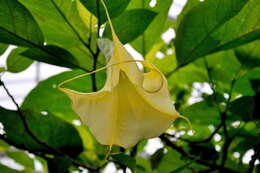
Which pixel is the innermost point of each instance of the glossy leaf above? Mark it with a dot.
(58, 164)
(152, 34)
(115, 7)
(130, 30)
(125, 160)
(202, 113)
(46, 89)
(249, 55)
(21, 158)
(3, 48)
(17, 25)
(16, 62)
(55, 27)
(48, 54)
(171, 160)
(243, 83)
(63, 27)
(209, 23)
(156, 158)
(6, 169)
(55, 132)
(243, 108)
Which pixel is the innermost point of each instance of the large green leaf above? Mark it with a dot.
(115, 7)
(22, 158)
(152, 34)
(242, 108)
(3, 48)
(16, 62)
(48, 128)
(249, 55)
(3, 146)
(6, 169)
(125, 160)
(202, 113)
(188, 6)
(48, 54)
(58, 164)
(55, 28)
(63, 27)
(156, 158)
(207, 28)
(44, 97)
(243, 83)
(128, 31)
(170, 161)
(17, 26)
(220, 70)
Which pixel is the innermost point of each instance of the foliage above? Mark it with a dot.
(216, 46)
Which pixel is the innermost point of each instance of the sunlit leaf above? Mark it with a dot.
(209, 24)
(115, 7)
(130, 30)
(16, 62)
(152, 34)
(17, 25)
(125, 160)
(3, 48)
(48, 54)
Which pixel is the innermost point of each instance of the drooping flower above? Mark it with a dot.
(131, 106)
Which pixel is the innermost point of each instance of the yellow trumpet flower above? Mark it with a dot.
(131, 106)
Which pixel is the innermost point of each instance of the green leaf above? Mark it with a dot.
(6, 169)
(44, 93)
(48, 54)
(222, 73)
(3, 48)
(63, 27)
(125, 160)
(22, 158)
(115, 7)
(58, 164)
(202, 113)
(2, 69)
(49, 129)
(17, 63)
(153, 33)
(249, 55)
(192, 70)
(55, 28)
(188, 6)
(171, 160)
(3, 146)
(243, 107)
(17, 26)
(243, 83)
(202, 29)
(156, 158)
(130, 30)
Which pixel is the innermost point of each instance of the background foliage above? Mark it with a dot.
(217, 45)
